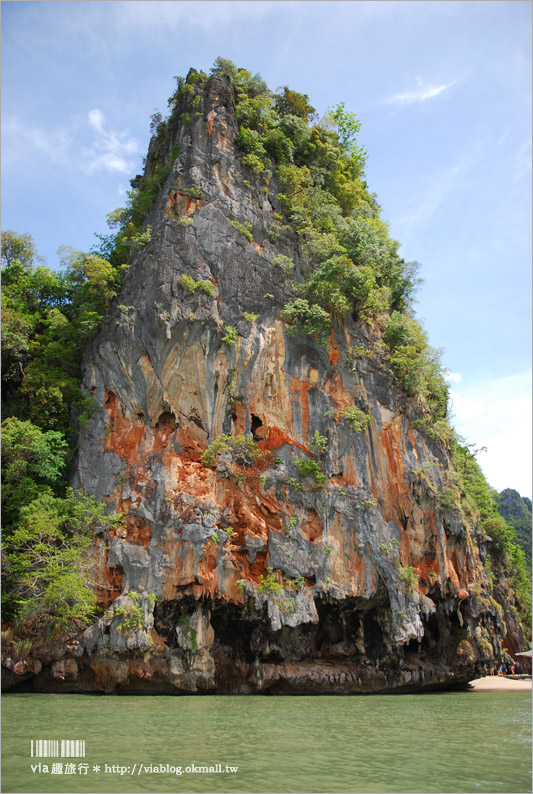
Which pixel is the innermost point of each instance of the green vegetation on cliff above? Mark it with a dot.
(347, 267)
(47, 318)
(505, 559)
(350, 264)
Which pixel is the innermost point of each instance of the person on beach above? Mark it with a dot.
(503, 669)
(517, 669)
(512, 669)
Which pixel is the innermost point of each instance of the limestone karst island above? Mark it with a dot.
(227, 462)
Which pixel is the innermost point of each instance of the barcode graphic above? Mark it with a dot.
(58, 748)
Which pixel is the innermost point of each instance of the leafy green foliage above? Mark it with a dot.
(415, 365)
(231, 335)
(295, 584)
(188, 283)
(207, 287)
(243, 450)
(256, 164)
(358, 419)
(292, 523)
(269, 584)
(303, 318)
(32, 461)
(293, 103)
(132, 619)
(348, 127)
(409, 578)
(132, 614)
(285, 264)
(479, 504)
(20, 250)
(230, 532)
(310, 468)
(48, 561)
(320, 443)
(48, 317)
(245, 229)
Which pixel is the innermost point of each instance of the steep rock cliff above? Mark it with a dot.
(259, 572)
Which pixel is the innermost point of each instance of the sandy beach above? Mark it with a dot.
(500, 682)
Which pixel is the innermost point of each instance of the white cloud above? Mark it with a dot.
(420, 94)
(110, 149)
(96, 119)
(152, 16)
(453, 377)
(496, 414)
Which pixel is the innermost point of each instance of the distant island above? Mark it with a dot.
(516, 510)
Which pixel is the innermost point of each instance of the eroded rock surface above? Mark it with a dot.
(380, 588)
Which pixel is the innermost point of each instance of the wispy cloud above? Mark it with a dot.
(523, 161)
(76, 146)
(22, 140)
(152, 16)
(96, 120)
(453, 377)
(110, 150)
(431, 196)
(422, 93)
(496, 413)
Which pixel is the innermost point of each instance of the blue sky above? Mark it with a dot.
(442, 89)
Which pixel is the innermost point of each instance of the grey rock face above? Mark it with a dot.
(344, 617)
(134, 561)
(254, 545)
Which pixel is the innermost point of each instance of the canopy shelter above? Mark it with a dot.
(526, 660)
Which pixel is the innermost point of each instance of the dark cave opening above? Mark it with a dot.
(233, 630)
(413, 646)
(255, 426)
(374, 644)
(431, 633)
(166, 419)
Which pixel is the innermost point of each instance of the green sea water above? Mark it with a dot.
(442, 742)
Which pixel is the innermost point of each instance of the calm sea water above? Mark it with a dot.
(445, 742)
